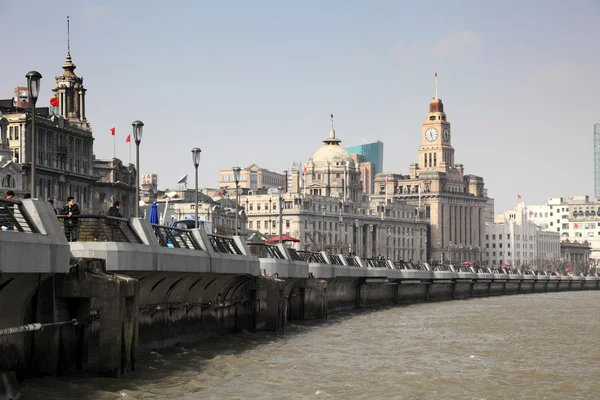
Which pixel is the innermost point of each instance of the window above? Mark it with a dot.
(257, 206)
(250, 224)
(257, 224)
(287, 223)
(101, 197)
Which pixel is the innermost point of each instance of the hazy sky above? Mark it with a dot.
(256, 81)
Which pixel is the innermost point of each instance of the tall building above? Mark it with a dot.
(369, 158)
(115, 182)
(454, 202)
(64, 142)
(251, 177)
(149, 186)
(597, 160)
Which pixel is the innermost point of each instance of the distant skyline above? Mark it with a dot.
(256, 82)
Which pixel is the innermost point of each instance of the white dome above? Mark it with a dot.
(332, 153)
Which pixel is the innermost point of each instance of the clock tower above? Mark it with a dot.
(436, 151)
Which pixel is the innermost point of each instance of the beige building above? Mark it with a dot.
(454, 202)
(115, 182)
(251, 177)
(327, 211)
(575, 254)
(64, 143)
(11, 173)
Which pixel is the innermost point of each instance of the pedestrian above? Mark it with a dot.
(10, 194)
(113, 224)
(71, 211)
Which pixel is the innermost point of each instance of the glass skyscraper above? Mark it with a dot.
(597, 160)
(371, 152)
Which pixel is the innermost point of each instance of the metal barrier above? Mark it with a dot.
(224, 244)
(335, 260)
(352, 261)
(375, 263)
(311, 257)
(294, 254)
(175, 237)
(98, 228)
(264, 250)
(14, 218)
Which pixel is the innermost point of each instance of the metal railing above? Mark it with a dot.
(175, 237)
(98, 228)
(224, 244)
(352, 261)
(294, 254)
(311, 257)
(335, 260)
(265, 250)
(13, 217)
(375, 263)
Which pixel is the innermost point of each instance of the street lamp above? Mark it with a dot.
(280, 215)
(196, 159)
(33, 87)
(236, 178)
(138, 126)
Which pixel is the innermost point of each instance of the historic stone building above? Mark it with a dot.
(454, 202)
(326, 210)
(64, 143)
(115, 182)
(11, 173)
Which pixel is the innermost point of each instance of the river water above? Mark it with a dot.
(540, 346)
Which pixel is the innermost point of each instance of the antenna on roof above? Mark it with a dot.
(68, 36)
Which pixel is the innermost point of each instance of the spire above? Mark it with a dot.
(332, 139)
(68, 66)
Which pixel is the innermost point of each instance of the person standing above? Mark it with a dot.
(114, 211)
(71, 211)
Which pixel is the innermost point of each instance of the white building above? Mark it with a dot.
(575, 218)
(515, 240)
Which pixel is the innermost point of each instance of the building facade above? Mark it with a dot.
(576, 255)
(251, 177)
(325, 209)
(115, 181)
(515, 240)
(11, 173)
(575, 218)
(369, 157)
(64, 143)
(454, 203)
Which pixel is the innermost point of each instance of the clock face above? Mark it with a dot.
(431, 134)
(446, 134)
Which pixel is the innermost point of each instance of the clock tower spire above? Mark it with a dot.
(436, 151)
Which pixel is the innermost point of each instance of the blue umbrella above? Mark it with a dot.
(153, 217)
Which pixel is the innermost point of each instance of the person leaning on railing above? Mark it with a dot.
(71, 210)
(114, 211)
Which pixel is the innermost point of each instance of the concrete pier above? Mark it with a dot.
(155, 286)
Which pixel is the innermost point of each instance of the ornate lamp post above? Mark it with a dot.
(236, 178)
(196, 159)
(138, 127)
(33, 87)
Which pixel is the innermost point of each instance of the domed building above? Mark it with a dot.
(332, 172)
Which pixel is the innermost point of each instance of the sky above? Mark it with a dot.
(255, 82)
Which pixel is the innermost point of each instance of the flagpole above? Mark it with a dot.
(114, 145)
(129, 151)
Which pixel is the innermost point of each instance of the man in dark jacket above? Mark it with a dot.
(114, 211)
(70, 210)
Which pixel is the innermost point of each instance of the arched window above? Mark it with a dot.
(8, 182)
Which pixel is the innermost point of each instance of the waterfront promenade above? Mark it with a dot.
(127, 285)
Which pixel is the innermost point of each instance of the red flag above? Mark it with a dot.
(54, 102)
(304, 170)
(386, 179)
(575, 226)
(518, 196)
(112, 131)
(436, 74)
(128, 139)
(530, 212)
